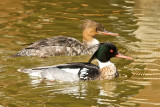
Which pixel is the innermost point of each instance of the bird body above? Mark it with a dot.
(62, 45)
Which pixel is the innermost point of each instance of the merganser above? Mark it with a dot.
(82, 70)
(61, 45)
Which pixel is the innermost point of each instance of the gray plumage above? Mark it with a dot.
(69, 46)
(57, 46)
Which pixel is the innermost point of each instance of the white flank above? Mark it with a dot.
(73, 71)
(35, 74)
(59, 74)
(53, 73)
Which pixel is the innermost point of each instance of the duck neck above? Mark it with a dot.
(89, 40)
(104, 64)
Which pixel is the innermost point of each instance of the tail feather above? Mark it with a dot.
(31, 72)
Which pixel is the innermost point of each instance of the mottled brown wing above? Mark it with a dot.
(55, 46)
(56, 41)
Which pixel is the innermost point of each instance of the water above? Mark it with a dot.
(26, 21)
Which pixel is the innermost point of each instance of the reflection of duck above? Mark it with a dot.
(82, 71)
(61, 45)
(107, 88)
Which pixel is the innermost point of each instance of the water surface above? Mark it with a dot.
(25, 21)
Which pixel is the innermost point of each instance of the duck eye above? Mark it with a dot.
(97, 29)
(111, 51)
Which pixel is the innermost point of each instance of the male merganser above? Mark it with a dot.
(82, 70)
(61, 45)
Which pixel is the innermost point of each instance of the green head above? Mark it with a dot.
(105, 51)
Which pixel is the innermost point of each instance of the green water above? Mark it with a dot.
(25, 21)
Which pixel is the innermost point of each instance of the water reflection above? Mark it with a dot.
(111, 93)
(147, 49)
(147, 66)
(20, 91)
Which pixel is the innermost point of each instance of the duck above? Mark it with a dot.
(62, 45)
(78, 71)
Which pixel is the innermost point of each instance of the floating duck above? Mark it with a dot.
(61, 45)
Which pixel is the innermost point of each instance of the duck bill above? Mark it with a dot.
(108, 33)
(123, 56)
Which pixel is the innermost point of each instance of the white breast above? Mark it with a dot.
(101, 64)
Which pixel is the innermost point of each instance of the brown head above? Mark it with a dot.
(92, 28)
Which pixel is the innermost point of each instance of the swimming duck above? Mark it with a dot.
(82, 70)
(61, 45)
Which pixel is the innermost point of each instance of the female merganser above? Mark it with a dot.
(82, 70)
(61, 45)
